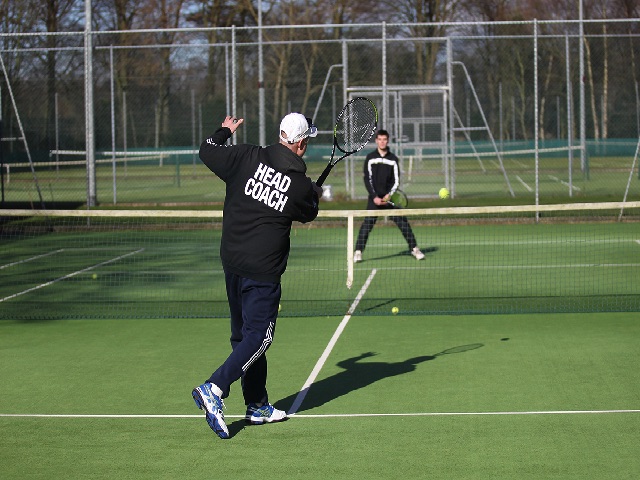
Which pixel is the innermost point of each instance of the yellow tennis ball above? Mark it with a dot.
(94, 276)
(395, 310)
(444, 193)
(279, 307)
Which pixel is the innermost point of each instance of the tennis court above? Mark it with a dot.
(514, 354)
(540, 396)
(165, 264)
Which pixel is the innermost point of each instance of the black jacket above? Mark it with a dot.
(381, 174)
(266, 190)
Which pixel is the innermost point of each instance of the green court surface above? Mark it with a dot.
(528, 396)
(139, 267)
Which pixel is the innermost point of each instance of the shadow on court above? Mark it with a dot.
(358, 375)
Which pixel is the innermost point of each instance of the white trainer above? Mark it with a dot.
(212, 405)
(417, 253)
(266, 413)
(357, 256)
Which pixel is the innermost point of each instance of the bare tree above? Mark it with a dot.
(427, 18)
(121, 15)
(214, 14)
(166, 15)
(55, 18)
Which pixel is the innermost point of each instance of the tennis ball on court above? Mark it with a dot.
(94, 276)
(395, 310)
(444, 193)
(279, 307)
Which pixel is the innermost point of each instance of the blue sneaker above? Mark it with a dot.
(267, 413)
(212, 404)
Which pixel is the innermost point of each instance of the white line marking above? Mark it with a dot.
(31, 259)
(42, 285)
(523, 183)
(323, 358)
(456, 414)
(516, 267)
(638, 242)
(566, 184)
(330, 415)
(492, 243)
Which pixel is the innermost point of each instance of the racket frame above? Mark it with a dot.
(333, 162)
(401, 193)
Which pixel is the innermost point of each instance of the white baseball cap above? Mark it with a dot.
(295, 126)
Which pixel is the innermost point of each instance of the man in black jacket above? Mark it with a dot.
(266, 190)
(382, 179)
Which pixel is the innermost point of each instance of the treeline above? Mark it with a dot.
(169, 62)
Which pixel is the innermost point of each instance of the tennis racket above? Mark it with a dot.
(355, 126)
(398, 200)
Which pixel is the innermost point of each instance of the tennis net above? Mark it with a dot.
(165, 264)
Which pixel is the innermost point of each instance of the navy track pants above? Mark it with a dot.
(254, 308)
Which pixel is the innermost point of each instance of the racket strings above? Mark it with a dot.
(399, 199)
(355, 126)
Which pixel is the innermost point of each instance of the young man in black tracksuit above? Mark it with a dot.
(382, 179)
(266, 190)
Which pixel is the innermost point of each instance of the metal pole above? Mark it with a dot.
(261, 106)
(227, 82)
(536, 122)
(500, 115)
(234, 69)
(92, 199)
(513, 118)
(124, 128)
(57, 127)
(345, 72)
(637, 111)
(113, 126)
(558, 117)
(385, 98)
(450, 169)
(569, 116)
(193, 128)
(583, 141)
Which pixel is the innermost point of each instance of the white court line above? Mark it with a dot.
(523, 183)
(31, 259)
(566, 184)
(638, 242)
(518, 162)
(323, 358)
(517, 267)
(493, 243)
(46, 284)
(330, 415)
(461, 414)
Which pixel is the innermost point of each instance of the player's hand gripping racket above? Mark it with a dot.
(398, 200)
(355, 126)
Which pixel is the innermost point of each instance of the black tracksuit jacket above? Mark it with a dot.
(266, 191)
(381, 174)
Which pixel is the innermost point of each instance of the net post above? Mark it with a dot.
(349, 250)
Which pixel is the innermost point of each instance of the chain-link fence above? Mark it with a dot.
(504, 112)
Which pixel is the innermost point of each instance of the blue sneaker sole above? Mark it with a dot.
(211, 419)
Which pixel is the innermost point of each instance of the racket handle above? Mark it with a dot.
(324, 175)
